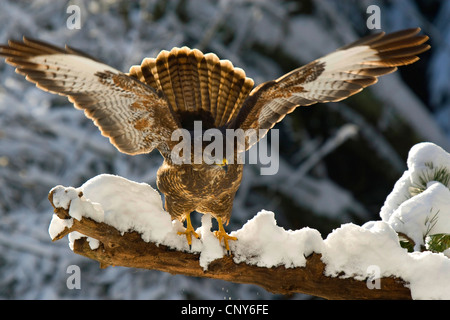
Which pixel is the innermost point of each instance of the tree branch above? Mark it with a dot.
(129, 250)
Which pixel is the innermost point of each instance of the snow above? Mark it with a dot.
(138, 207)
(116, 201)
(355, 250)
(129, 206)
(261, 242)
(349, 251)
(211, 248)
(57, 225)
(414, 215)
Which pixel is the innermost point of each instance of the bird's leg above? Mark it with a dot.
(189, 230)
(221, 234)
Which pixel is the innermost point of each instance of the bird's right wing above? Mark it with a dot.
(132, 114)
(333, 77)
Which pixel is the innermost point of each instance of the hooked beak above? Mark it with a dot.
(223, 165)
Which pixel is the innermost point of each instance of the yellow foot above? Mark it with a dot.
(225, 237)
(189, 232)
(221, 234)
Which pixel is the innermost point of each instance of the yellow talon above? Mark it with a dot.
(221, 234)
(189, 231)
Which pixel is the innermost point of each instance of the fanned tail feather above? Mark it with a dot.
(196, 83)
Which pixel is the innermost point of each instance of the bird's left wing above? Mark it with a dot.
(132, 114)
(333, 77)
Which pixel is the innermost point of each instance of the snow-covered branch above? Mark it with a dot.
(122, 223)
(110, 246)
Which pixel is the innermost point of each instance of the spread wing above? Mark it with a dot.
(333, 77)
(132, 114)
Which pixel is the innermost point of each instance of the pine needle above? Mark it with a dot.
(438, 242)
(440, 174)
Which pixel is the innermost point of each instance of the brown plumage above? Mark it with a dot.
(140, 110)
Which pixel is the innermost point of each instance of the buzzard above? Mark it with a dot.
(138, 111)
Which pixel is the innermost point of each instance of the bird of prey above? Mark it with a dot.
(139, 110)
